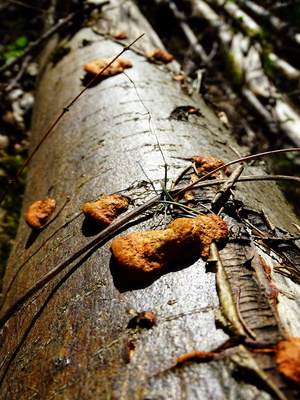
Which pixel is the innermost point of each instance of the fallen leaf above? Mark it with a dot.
(141, 256)
(288, 358)
(106, 209)
(160, 55)
(39, 212)
(96, 66)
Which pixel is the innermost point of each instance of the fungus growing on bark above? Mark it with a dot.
(160, 55)
(121, 35)
(106, 209)
(142, 256)
(288, 358)
(39, 212)
(208, 164)
(96, 66)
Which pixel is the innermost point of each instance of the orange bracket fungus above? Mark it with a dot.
(96, 66)
(160, 55)
(106, 209)
(39, 212)
(142, 256)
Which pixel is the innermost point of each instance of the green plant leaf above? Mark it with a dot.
(21, 42)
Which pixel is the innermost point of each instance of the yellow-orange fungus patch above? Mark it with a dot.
(96, 66)
(207, 164)
(39, 212)
(288, 358)
(144, 255)
(106, 209)
(160, 55)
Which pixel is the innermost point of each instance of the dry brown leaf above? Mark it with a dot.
(142, 256)
(288, 358)
(39, 212)
(160, 55)
(274, 294)
(208, 164)
(106, 209)
(96, 66)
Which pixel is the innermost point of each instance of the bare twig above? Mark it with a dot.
(104, 235)
(37, 42)
(239, 160)
(64, 111)
(41, 10)
(227, 185)
(246, 327)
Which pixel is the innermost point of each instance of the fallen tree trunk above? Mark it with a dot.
(79, 336)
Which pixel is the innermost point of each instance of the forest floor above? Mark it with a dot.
(22, 24)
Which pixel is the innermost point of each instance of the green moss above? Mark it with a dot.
(234, 72)
(268, 64)
(11, 206)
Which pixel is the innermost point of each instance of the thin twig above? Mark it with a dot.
(37, 42)
(64, 111)
(239, 160)
(151, 128)
(41, 10)
(102, 237)
(246, 327)
(227, 185)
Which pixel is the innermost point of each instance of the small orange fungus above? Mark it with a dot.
(142, 256)
(121, 35)
(288, 358)
(39, 212)
(96, 66)
(160, 55)
(207, 164)
(106, 209)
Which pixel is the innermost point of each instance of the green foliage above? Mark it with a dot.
(235, 73)
(10, 211)
(268, 64)
(13, 50)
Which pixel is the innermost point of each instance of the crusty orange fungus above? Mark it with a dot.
(141, 256)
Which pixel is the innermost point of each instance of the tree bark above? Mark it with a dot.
(74, 338)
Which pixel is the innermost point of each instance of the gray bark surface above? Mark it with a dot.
(72, 339)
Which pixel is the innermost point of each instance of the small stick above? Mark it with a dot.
(247, 158)
(31, 46)
(104, 235)
(227, 185)
(65, 110)
(243, 322)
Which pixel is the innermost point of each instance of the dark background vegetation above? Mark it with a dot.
(24, 22)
